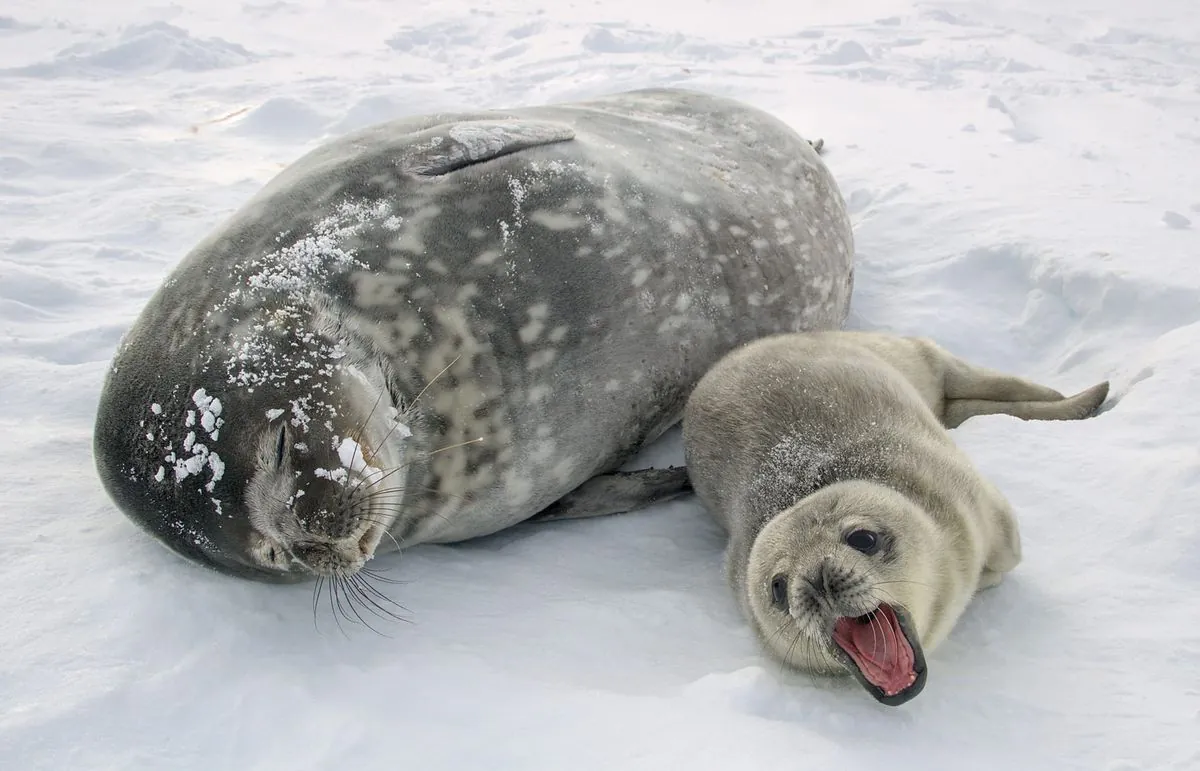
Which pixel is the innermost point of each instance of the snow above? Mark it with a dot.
(1023, 177)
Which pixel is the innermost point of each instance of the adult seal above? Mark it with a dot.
(438, 327)
(858, 531)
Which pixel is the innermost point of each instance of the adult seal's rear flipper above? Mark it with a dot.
(452, 146)
(618, 493)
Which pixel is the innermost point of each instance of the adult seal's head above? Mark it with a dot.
(858, 531)
(316, 455)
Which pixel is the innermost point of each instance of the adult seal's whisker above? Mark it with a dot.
(373, 596)
(364, 582)
(354, 593)
(374, 575)
(456, 445)
(317, 600)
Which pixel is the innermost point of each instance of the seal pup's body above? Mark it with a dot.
(433, 329)
(858, 531)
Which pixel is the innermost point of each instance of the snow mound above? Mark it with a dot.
(138, 50)
(282, 118)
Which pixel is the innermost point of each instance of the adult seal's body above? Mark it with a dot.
(858, 531)
(435, 328)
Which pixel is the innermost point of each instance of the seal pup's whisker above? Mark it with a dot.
(914, 583)
(778, 633)
(828, 453)
(889, 597)
(791, 646)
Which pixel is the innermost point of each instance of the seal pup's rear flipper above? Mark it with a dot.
(452, 146)
(971, 390)
(1077, 407)
(618, 493)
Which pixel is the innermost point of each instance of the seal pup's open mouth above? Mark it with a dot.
(882, 651)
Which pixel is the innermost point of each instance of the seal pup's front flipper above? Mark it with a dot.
(618, 493)
(452, 146)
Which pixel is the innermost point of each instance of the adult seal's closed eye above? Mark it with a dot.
(438, 327)
(858, 531)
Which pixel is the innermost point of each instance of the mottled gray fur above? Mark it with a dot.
(551, 281)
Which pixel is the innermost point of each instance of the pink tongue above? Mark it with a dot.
(879, 649)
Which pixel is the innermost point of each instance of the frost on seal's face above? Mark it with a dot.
(265, 442)
(322, 497)
(825, 589)
(265, 479)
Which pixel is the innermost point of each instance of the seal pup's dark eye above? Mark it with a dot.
(281, 445)
(864, 541)
(779, 594)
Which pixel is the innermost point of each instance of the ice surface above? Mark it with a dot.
(1022, 177)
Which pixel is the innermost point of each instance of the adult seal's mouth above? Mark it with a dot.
(881, 649)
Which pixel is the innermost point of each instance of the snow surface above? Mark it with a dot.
(1025, 184)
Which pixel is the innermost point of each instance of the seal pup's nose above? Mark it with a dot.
(829, 584)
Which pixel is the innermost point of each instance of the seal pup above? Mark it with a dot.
(434, 328)
(858, 531)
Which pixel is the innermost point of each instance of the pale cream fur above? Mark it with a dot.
(794, 440)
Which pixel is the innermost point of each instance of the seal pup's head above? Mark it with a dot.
(840, 581)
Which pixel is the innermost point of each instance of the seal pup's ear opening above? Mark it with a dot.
(881, 649)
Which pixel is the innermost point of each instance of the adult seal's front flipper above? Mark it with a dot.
(618, 493)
